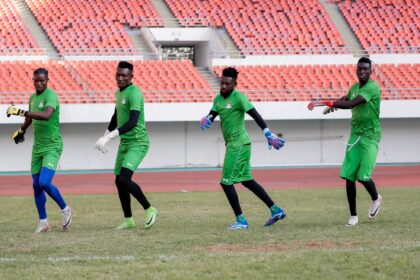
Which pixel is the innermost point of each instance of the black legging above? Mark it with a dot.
(126, 187)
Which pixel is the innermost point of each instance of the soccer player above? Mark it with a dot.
(44, 114)
(231, 106)
(363, 99)
(128, 123)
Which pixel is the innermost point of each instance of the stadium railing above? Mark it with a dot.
(194, 96)
(176, 22)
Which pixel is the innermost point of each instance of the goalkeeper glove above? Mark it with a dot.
(329, 110)
(205, 122)
(18, 136)
(13, 110)
(316, 103)
(273, 140)
(101, 143)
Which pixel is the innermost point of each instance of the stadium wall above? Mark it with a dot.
(183, 144)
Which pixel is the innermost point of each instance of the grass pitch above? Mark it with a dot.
(190, 240)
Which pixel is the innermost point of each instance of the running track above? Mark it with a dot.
(176, 181)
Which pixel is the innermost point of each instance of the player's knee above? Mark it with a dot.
(122, 181)
(44, 183)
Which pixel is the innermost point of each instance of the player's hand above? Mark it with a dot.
(273, 140)
(13, 110)
(18, 136)
(329, 110)
(101, 143)
(205, 122)
(316, 103)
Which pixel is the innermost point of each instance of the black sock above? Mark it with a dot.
(125, 199)
(351, 196)
(259, 192)
(233, 199)
(371, 188)
(134, 189)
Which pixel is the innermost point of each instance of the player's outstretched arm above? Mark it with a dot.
(272, 139)
(208, 120)
(42, 116)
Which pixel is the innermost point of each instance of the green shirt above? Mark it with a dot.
(365, 117)
(129, 99)
(46, 133)
(232, 116)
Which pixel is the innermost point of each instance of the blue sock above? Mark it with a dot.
(45, 183)
(40, 198)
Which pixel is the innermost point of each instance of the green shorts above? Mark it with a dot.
(47, 158)
(130, 156)
(236, 166)
(360, 159)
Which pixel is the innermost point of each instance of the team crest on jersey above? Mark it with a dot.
(228, 106)
(123, 101)
(41, 105)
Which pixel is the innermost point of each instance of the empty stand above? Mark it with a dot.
(298, 82)
(94, 81)
(13, 33)
(384, 24)
(80, 25)
(272, 25)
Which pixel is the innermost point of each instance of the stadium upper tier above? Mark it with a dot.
(179, 81)
(91, 24)
(384, 24)
(266, 24)
(13, 33)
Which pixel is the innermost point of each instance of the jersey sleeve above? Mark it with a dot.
(135, 100)
(370, 92)
(246, 104)
(51, 100)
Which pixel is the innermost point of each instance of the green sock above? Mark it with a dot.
(274, 208)
(240, 218)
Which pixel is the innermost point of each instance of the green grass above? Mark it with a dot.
(190, 240)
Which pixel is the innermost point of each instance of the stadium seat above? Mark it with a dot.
(382, 25)
(90, 25)
(266, 26)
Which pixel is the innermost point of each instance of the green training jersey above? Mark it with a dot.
(46, 133)
(365, 117)
(127, 100)
(232, 116)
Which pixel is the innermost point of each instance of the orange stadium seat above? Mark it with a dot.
(270, 25)
(13, 32)
(298, 82)
(90, 24)
(384, 25)
(94, 81)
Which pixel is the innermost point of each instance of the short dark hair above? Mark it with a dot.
(230, 72)
(41, 71)
(365, 60)
(125, 64)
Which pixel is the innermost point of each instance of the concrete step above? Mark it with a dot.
(211, 78)
(138, 40)
(350, 40)
(165, 13)
(35, 29)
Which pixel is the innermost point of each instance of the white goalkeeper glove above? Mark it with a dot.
(108, 136)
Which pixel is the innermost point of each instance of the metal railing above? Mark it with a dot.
(23, 51)
(187, 96)
(178, 22)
